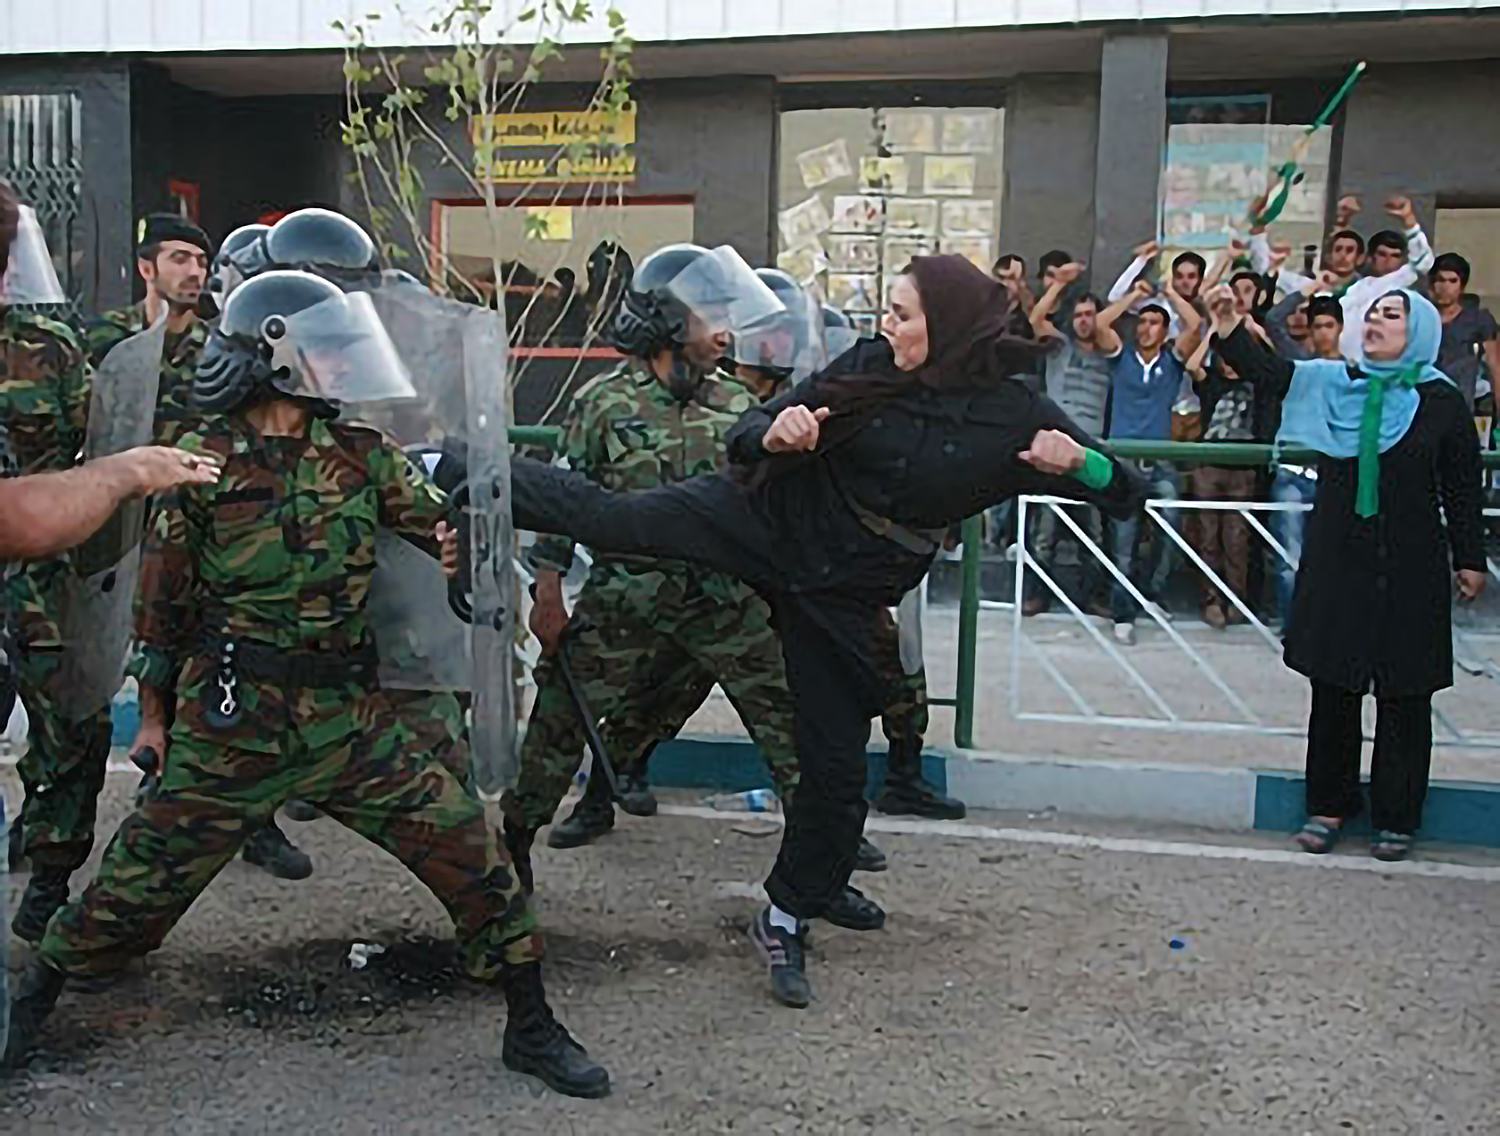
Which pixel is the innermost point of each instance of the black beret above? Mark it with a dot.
(158, 227)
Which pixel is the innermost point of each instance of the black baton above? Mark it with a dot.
(586, 716)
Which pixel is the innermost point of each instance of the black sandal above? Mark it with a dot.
(1318, 838)
(1391, 846)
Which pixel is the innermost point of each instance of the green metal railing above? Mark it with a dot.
(1179, 453)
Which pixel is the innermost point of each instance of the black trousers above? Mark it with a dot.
(827, 638)
(1400, 766)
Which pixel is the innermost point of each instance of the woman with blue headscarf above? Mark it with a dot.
(1371, 610)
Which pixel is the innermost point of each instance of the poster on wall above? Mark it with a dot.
(853, 254)
(978, 251)
(969, 132)
(824, 164)
(898, 251)
(803, 263)
(854, 291)
(968, 218)
(802, 223)
(884, 175)
(906, 131)
(911, 215)
(949, 174)
(858, 213)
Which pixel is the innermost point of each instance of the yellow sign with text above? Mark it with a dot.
(556, 146)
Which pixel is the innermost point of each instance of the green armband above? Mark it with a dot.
(1097, 471)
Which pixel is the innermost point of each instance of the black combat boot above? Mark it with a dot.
(536, 1043)
(518, 841)
(45, 893)
(591, 818)
(869, 858)
(907, 794)
(29, 1006)
(855, 910)
(300, 811)
(270, 850)
(635, 796)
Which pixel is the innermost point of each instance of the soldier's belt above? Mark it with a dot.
(264, 662)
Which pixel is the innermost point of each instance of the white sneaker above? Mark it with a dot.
(1125, 633)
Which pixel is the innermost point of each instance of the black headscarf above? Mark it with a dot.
(969, 347)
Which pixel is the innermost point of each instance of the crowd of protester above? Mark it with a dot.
(1137, 363)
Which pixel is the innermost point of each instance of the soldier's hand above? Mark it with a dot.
(447, 539)
(155, 469)
(150, 736)
(795, 430)
(1052, 451)
(549, 615)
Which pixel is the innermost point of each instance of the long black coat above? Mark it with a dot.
(1372, 605)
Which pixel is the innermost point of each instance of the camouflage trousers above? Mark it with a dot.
(63, 770)
(626, 644)
(337, 748)
(666, 698)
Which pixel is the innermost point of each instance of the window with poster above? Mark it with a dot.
(871, 176)
(563, 262)
(1219, 157)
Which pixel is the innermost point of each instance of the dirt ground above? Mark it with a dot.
(1019, 987)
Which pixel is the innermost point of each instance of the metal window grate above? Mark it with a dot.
(41, 154)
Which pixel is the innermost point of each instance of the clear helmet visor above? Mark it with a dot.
(723, 293)
(337, 351)
(30, 277)
(837, 340)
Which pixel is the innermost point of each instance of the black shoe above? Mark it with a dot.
(784, 954)
(29, 1006)
(45, 893)
(536, 1043)
(917, 798)
(301, 811)
(635, 796)
(588, 821)
(855, 910)
(869, 858)
(269, 849)
(518, 841)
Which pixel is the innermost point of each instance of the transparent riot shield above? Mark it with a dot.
(98, 594)
(434, 634)
(909, 630)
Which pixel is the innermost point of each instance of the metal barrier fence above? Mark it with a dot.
(1123, 694)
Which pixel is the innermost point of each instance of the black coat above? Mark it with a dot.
(1373, 599)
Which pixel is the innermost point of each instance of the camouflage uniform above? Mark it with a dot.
(277, 559)
(44, 395)
(639, 619)
(174, 417)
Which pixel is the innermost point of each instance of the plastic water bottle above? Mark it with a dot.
(749, 801)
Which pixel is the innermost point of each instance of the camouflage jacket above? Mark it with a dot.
(625, 430)
(281, 550)
(174, 418)
(44, 398)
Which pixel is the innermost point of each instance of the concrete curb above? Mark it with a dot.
(1459, 812)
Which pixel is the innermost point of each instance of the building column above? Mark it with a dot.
(1132, 135)
(1050, 147)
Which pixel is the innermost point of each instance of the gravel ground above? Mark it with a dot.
(1018, 988)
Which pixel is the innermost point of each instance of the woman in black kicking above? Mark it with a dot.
(834, 508)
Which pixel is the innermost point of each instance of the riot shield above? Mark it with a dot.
(433, 635)
(98, 594)
(909, 630)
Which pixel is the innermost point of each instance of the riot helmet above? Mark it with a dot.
(241, 256)
(322, 241)
(27, 275)
(839, 332)
(789, 344)
(685, 290)
(293, 334)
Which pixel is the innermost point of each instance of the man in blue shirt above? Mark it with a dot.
(1145, 381)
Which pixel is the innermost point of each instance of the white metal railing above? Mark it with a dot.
(1160, 684)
